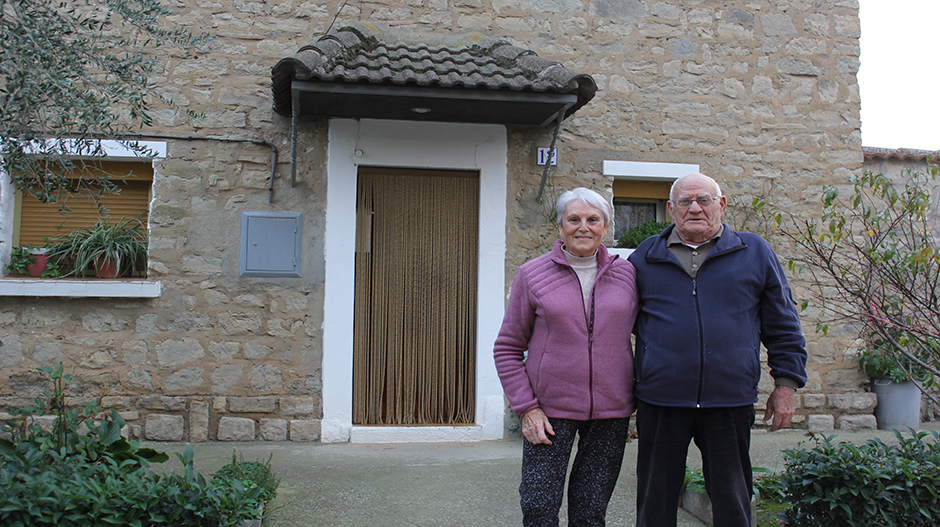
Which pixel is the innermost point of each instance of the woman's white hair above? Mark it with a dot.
(586, 195)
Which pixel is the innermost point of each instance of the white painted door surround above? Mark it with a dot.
(410, 144)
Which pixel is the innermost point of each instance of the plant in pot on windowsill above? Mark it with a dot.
(32, 261)
(111, 249)
(20, 260)
(897, 380)
(633, 237)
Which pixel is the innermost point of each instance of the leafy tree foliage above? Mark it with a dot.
(71, 72)
(872, 259)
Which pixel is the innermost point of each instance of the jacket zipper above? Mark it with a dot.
(698, 312)
(590, 322)
(701, 345)
(591, 354)
(600, 271)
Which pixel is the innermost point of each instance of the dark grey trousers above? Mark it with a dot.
(723, 435)
(593, 474)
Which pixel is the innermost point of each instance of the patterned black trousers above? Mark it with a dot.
(593, 474)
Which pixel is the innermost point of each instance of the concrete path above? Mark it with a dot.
(432, 484)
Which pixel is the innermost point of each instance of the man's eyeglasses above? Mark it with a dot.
(703, 201)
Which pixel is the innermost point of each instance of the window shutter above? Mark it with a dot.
(635, 188)
(39, 220)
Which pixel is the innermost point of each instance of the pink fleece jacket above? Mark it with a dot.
(579, 363)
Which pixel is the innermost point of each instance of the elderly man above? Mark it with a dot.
(709, 297)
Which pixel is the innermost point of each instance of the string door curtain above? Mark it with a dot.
(415, 306)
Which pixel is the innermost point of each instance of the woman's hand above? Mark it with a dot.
(536, 428)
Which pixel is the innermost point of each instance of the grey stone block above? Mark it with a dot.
(274, 429)
(853, 402)
(161, 427)
(161, 402)
(199, 421)
(851, 423)
(305, 430)
(298, 406)
(236, 429)
(820, 423)
(252, 404)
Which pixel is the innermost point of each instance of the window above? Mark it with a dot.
(638, 202)
(25, 220)
(641, 190)
(34, 221)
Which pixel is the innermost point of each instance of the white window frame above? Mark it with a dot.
(113, 151)
(646, 171)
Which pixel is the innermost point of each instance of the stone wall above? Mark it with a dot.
(216, 356)
(762, 95)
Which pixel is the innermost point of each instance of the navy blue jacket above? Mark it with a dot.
(698, 341)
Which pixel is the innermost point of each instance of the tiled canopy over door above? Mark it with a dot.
(361, 72)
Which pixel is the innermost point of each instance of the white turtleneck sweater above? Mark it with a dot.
(586, 269)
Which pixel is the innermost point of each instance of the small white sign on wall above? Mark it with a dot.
(542, 157)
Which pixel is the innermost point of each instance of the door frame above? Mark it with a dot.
(410, 144)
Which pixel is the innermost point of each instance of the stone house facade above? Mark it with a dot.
(759, 95)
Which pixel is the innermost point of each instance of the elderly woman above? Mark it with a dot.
(563, 357)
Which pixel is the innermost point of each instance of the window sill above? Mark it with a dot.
(120, 288)
(624, 253)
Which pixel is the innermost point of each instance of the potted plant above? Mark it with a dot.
(40, 261)
(633, 237)
(20, 259)
(110, 248)
(29, 260)
(896, 380)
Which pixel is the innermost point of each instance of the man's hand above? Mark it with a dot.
(781, 405)
(536, 428)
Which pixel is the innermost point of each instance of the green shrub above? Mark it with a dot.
(633, 237)
(694, 480)
(85, 473)
(880, 360)
(768, 485)
(19, 259)
(252, 474)
(875, 484)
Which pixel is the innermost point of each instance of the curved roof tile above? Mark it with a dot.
(902, 154)
(356, 54)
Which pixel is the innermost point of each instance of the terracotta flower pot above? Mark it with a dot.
(106, 268)
(36, 269)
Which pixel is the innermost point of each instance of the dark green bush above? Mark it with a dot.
(632, 238)
(252, 474)
(83, 473)
(694, 480)
(768, 486)
(870, 485)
